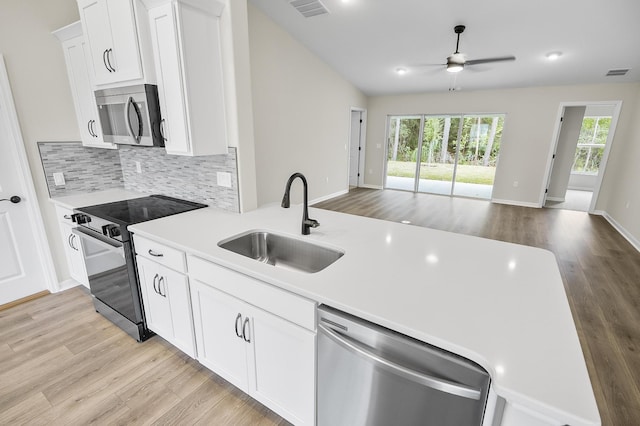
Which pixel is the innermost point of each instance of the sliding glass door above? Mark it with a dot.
(438, 154)
(478, 155)
(455, 155)
(402, 148)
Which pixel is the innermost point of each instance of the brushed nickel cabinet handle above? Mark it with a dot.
(238, 320)
(245, 335)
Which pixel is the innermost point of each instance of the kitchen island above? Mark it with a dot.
(500, 305)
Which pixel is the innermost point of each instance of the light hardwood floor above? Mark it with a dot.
(600, 271)
(62, 363)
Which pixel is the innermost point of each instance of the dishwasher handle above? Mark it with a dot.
(415, 376)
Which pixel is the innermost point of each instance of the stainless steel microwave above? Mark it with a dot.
(130, 115)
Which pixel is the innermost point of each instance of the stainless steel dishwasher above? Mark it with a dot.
(370, 375)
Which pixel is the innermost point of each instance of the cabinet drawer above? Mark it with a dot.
(160, 253)
(280, 302)
(63, 214)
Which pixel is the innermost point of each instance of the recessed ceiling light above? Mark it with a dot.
(406, 222)
(553, 56)
(401, 71)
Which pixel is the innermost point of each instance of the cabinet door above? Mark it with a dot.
(97, 29)
(283, 355)
(110, 28)
(218, 321)
(77, 58)
(515, 415)
(125, 57)
(167, 303)
(188, 62)
(157, 309)
(167, 62)
(75, 258)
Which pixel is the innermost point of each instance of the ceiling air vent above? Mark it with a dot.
(617, 72)
(309, 8)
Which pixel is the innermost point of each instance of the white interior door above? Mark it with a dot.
(565, 152)
(355, 148)
(22, 270)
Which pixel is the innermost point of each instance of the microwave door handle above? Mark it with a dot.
(127, 117)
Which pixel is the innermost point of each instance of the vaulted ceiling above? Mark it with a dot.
(366, 41)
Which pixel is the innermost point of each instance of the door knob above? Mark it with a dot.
(15, 199)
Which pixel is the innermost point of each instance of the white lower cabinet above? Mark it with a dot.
(72, 247)
(167, 304)
(515, 415)
(268, 357)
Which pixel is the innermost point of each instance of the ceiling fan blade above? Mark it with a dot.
(489, 60)
(426, 65)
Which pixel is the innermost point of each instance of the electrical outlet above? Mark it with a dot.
(224, 179)
(58, 179)
(138, 167)
(626, 206)
(515, 183)
(379, 145)
(327, 179)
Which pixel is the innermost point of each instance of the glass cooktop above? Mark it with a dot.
(136, 210)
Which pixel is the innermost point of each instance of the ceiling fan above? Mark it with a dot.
(457, 61)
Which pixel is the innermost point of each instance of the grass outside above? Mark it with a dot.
(444, 172)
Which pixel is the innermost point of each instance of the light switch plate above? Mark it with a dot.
(58, 179)
(224, 179)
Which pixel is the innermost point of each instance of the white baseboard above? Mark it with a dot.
(516, 203)
(558, 199)
(67, 284)
(581, 188)
(327, 197)
(621, 229)
(371, 186)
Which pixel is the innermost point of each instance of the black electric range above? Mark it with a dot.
(109, 255)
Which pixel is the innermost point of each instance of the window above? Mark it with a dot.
(591, 143)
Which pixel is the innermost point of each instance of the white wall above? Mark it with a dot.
(531, 115)
(38, 78)
(238, 103)
(301, 111)
(623, 196)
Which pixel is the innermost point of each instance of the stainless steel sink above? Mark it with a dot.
(281, 251)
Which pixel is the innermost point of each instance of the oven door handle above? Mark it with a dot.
(101, 238)
(435, 383)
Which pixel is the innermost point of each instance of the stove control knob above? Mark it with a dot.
(111, 230)
(80, 218)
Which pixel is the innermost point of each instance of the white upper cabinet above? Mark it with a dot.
(77, 59)
(114, 34)
(185, 36)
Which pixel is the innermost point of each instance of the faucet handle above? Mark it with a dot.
(312, 223)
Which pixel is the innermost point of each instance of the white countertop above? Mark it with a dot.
(84, 199)
(501, 305)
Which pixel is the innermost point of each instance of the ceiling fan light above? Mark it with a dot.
(553, 56)
(453, 67)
